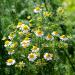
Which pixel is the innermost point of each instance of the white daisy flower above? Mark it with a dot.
(48, 56)
(49, 37)
(63, 38)
(37, 10)
(10, 62)
(7, 43)
(10, 52)
(55, 33)
(20, 24)
(25, 43)
(39, 33)
(25, 28)
(35, 49)
(32, 57)
(11, 36)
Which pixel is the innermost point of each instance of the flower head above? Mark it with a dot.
(25, 28)
(37, 9)
(10, 62)
(48, 56)
(39, 33)
(7, 43)
(55, 33)
(32, 57)
(11, 36)
(63, 38)
(10, 52)
(35, 49)
(49, 37)
(25, 43)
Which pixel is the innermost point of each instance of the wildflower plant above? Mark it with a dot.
(37, 44)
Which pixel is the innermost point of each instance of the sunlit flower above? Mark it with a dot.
(39, 33)
(49, 37)
(63, 38)
(35, 49)
(10, 52)
(11, 36)
(20, 33)
(37, 9)
(55, 33)
(48, 56)
(10, 62)
(7, 43)
(60, 10)
(20, 24)
(32, 57)
(25, 28)
(25, 43)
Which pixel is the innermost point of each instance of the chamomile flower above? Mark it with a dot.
(39, 33)
(55, 33)
(49, 37)
(32, 57)
(11, 36)
(25, 43)
(10, 62)
(63, 38)
(20, 33)
(10, 52)
(48, 56)
(37, 9)
(20, 24)
(35, 49)
(25, 28)
(7, 43)
(60, 10)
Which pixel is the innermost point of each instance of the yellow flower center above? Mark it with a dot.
(7, 42)
(55, 32)
(49, 55)
(34, 47)
(49, 36)
(63, 36)
(31, 55)
(39, 32)
(25, 27)
(10, 60)
(37, 8)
